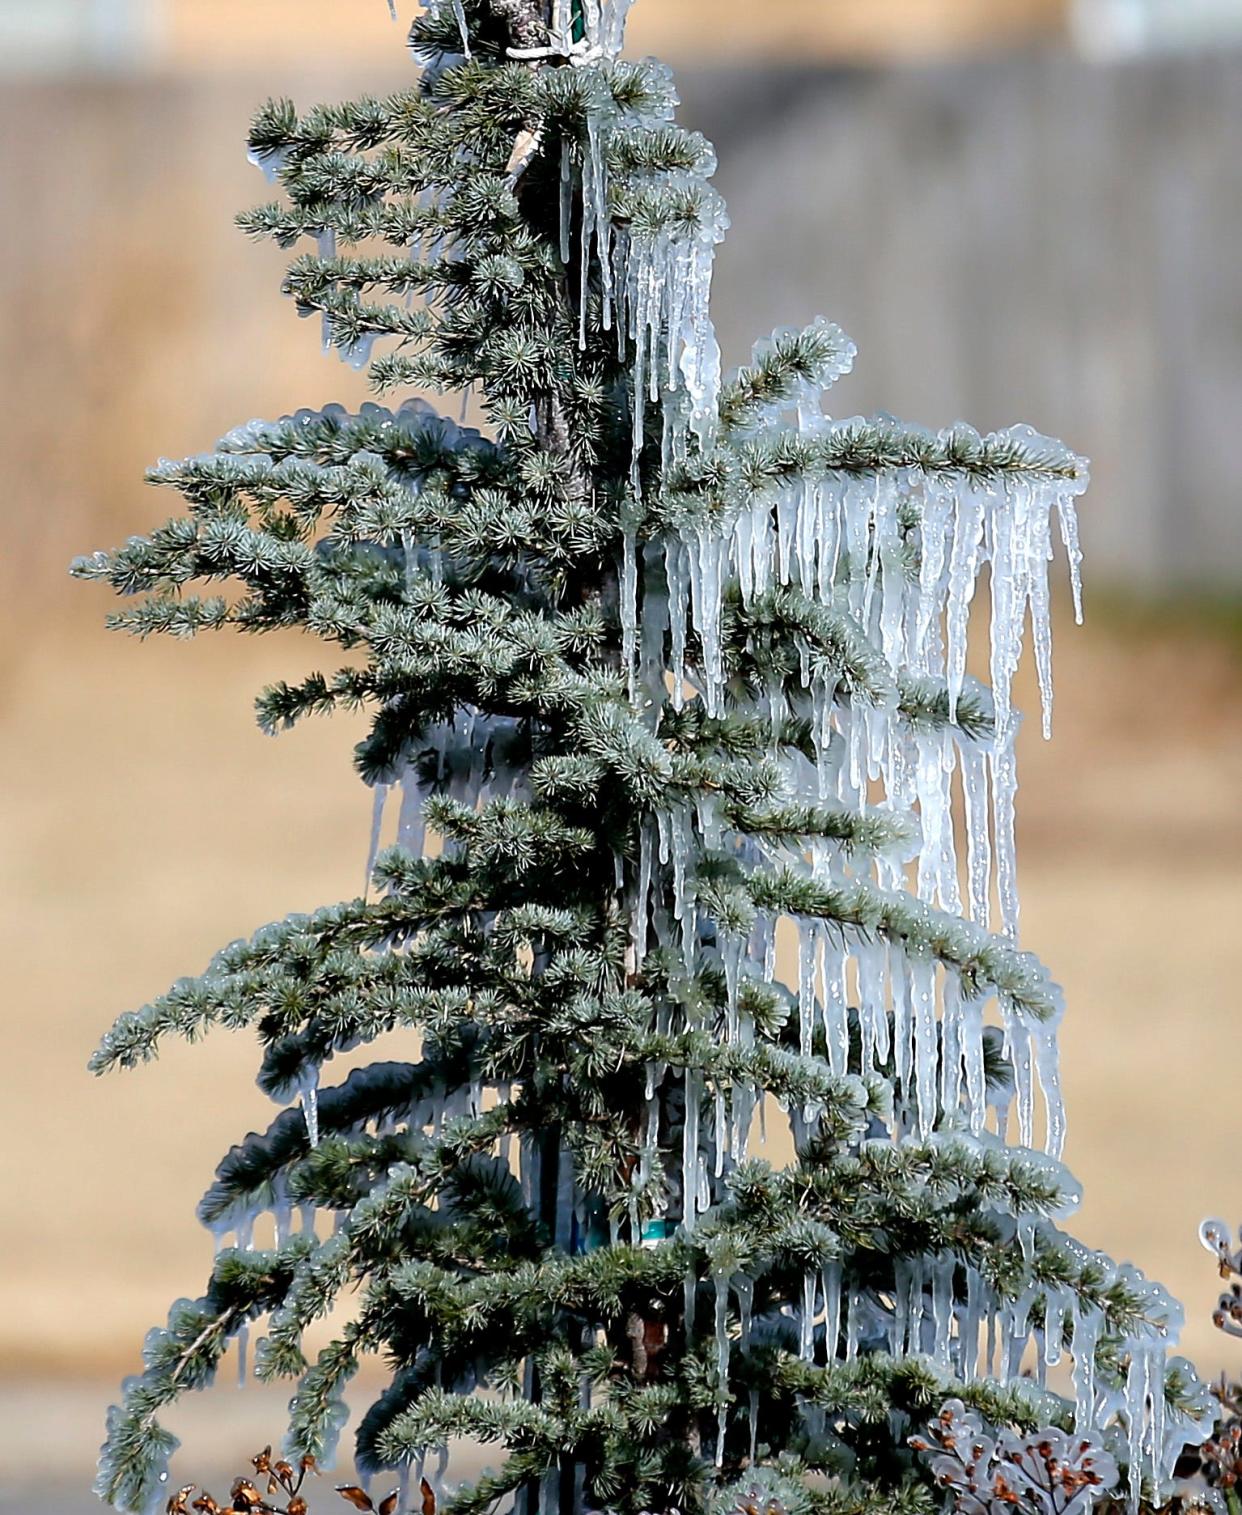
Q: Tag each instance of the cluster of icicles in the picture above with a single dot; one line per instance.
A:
(973, 1339)
(938, 1308)
(655, 284)
(841, 540)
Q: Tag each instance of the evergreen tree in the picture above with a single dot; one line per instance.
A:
(671, 670)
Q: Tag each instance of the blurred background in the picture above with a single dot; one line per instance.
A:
(1022, 210)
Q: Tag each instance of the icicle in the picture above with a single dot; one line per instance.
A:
(963, 572)
(872, 1009)
(968, 1327)
(358, 354)
(567, 203)
(951, 1049)
(721, 1283)
(690, 1152)
(807, 943)
(629, 610)
(917, 1285)
(681, 848)
(1056, 1307)
(377, 826)
(720, 1137)
(1024, 1234)
(308, 1085)
(1069, 535)
(270, 163)
(437, 1478)
(411, 826)
(1018, 1329)
(934, 536)
(243, 1342)
(1018, 1051)
(887, 552)
(788, 514)
(282, 1214)
(327, 249)
(1000, 1103)
(677, 571)
(744, 1289)
(392, 9)
(1048, 1065)
(806, 1319)
(974, 765)
(1004, 796)
(859, 510)
(1087, 1328)
(1136, 1395)
(937, 874)
(923, 1001)
(743, 1111)
(642, 902)
(899, 1326)
(835, 1005)
(971, 1013)
(1011, 523)
(706, 554)
(595, 226)
(942, 1308)
(613, 14)
(853, 1323)
(898, 981)
(1038, 552)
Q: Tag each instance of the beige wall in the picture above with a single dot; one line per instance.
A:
(209, 33)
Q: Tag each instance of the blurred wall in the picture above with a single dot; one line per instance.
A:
(685, 31)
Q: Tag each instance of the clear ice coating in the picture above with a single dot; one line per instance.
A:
(847, 543)
(897, 553)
